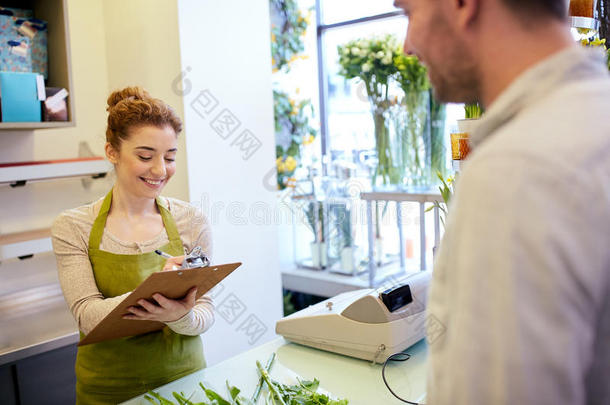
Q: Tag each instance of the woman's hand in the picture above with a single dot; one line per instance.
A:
(162, 309)
(173, 263)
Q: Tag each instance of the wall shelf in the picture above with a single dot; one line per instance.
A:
(25, 244)
(55, 12)
(19, 173)
(34, 125)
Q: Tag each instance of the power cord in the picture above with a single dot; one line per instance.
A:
(396, 357)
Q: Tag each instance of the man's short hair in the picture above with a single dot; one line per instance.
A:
(552, 8)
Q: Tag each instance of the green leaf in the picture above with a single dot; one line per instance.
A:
(213, 396)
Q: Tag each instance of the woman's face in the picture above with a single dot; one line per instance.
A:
(145, 162)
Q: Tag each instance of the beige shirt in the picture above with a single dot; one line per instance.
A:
(519, 306)
(70, 235)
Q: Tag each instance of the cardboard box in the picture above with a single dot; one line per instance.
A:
(17, 12)
(15, 49)
(36, 31)
(20, 95)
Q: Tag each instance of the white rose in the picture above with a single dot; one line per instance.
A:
(380, 55)
(345, 51)
(355, 51)
(387, 60)
(366, 67)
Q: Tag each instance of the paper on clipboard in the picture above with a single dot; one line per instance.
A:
(172, 284)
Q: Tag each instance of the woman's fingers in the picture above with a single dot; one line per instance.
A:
(138, 312)
(163, 301)
(148, 306)
(189, 300)
(166, 310)
(173, 263)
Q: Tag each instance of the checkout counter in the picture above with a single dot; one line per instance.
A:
(368, 325)
(356, 380)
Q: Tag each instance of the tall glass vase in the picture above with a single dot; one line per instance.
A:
(438, 145)
(388, 171)
(411, 138)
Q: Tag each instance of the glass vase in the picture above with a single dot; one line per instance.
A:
(411, 143)
(388, 171)
(438, 146)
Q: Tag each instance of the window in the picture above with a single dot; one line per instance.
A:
(345, 116)
(337, 11)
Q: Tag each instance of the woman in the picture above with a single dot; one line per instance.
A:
(106, 248)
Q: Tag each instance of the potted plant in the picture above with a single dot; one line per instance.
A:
(472, 113)
(460, 146)
(315, 219)
(343, 237)
(378, 248)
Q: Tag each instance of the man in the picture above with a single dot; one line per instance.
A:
(521, 284)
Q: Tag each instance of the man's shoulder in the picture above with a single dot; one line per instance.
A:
(566, 130)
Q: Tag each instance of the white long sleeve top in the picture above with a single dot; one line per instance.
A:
(70, 236)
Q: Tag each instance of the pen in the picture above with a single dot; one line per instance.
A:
(163, 254)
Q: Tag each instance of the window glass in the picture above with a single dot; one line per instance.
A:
(350, 126)
(334, 11)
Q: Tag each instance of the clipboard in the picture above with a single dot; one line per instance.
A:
(172, 284)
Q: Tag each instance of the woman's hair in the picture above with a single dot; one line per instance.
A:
(133, 107)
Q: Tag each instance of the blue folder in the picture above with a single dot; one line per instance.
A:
(19, 97)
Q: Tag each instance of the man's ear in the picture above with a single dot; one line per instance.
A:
(111, 153)
(466, 12)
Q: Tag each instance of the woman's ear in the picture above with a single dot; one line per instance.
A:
(111, 153)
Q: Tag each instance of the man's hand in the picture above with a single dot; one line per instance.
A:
(162, 309)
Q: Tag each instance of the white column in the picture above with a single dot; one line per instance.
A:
(226, 87)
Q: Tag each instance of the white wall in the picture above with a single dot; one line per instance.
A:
(225, 51)
(143, 49)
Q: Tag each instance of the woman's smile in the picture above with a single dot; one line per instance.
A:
(152, 182)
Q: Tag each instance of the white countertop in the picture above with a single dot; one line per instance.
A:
(343, 377)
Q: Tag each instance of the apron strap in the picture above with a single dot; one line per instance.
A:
(169, 223)
(97, 230)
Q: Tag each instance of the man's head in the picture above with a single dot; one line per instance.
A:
(450, 37)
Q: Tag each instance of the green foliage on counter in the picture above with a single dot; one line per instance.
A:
(302, 393)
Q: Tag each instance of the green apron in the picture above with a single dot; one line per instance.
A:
(117, 370)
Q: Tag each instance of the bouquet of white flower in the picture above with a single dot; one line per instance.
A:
(372, 61)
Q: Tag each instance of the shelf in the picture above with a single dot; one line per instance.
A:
(21, 244)
(35, 125)
(47, 326)
(26, 236)
(55, 13)
(409, 194)
(328, 284)
(18, 173)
